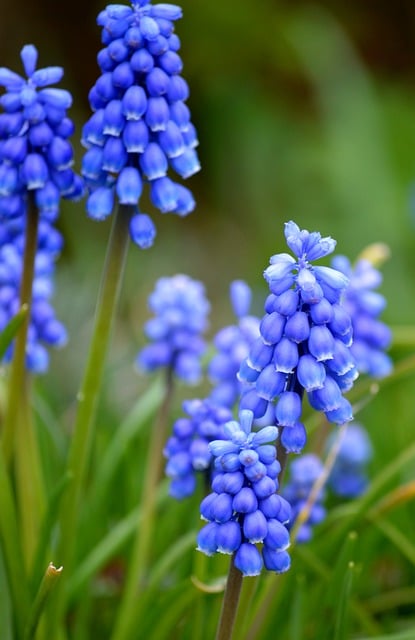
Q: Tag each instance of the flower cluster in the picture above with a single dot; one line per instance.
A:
(348, 478)
(180, 308)
(304, 471)
(187, 450)
(35, 154)
(304, 343)
(244, 508)
(232, 344)
(370, 336)
(44, 328)
(141, 125)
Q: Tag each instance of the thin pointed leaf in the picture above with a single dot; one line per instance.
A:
(11, 329)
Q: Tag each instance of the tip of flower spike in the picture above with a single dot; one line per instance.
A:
(28, 56)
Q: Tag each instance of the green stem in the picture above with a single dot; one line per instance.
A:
(18, 366)
(19, 438)
(234, 582)
(88, 395)
(140, 557)
(29, 478)
(230, 603)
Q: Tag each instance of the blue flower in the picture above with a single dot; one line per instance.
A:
(187, 450)
(244, 509)
(35, 154)
(141, 124)
(44, 328)
(371, 337)
(304, 471)
(348, 478)
(304, 342)
(232, 344)
(180, 312)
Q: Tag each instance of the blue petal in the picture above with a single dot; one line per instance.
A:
(56, 98)
(134, 103)
(255, 526)
(28, 56)
(245, 501)
(129, 186)
(10, 80)
(228, 537)
(100, 203)
(166, 11)
(333, 278)
(153, 162)
(49, 75)
(288, 409)
(248, 560)
(157, 114)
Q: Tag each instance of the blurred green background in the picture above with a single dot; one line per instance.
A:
(305, 111)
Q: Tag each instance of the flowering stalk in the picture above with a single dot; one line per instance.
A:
(19, 438)
(18, 370)
(89, 393)
(234, 581)
(230, 603)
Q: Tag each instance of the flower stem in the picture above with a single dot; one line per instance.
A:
(230, 603)
(17, 376)
(88, 395)
(19, 438)
(139, 562)
(234, 582)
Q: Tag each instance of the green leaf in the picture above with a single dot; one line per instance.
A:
(11, 329)
(108, 547)
(5, 604)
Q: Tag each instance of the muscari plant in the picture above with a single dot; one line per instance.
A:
(320, 329)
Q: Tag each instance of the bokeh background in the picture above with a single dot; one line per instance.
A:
(305, 111)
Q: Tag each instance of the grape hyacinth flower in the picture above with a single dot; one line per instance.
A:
(232, 344)
(304, 471)
(180, 310)
(44, 328)
(141, 124)
(35, 154)
(244, 509)
(304, 343)
(370, 336)
(348, 478)
(187, 450)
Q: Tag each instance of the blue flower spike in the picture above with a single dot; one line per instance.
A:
(181, 311)
(35, 153)
(140, 128)
(244, 509)
(187, 450)
(45, 330)
(348, 478)
(304, 471)
(304, 343)
(371, 337)
(232, 347)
